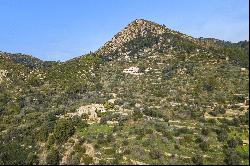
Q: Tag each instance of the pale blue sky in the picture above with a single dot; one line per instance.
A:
(63, 29)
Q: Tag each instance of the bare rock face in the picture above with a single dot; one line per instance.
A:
(137, 28)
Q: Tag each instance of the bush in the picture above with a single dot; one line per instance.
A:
(205, 131)
(108, 105)
(222, 135)
(32, 159)
(188, 138)
(152, 113)
(110, 138)
(87, 159)
(197, 159)
(125, 143)
(78, 122)
(104, 120)
(155, 154)
(127, 151)
(101, 138)
(50, 141)
(204, 146)
(210, 84)
(234, 142)
(137, 115)
(168, 134)
(79, 149)
(176, 146)
(199, 140)
(53, 157)
(64, 129)
(231, 157)
(110, 151)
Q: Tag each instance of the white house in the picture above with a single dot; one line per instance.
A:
(132, 70)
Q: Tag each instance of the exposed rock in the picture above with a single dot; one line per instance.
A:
(3, 74)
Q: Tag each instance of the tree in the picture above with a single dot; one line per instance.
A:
(63, 130)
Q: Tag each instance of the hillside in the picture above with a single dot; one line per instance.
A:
(150, 95)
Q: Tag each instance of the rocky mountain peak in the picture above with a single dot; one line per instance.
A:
(139, 28)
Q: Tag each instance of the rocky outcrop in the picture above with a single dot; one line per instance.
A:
(3, 74)
(140, 32)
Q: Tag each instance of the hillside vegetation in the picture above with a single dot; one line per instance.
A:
(150, 95)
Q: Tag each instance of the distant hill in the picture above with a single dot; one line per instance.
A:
(27, 60)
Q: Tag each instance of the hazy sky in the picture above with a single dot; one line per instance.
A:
(62, 29)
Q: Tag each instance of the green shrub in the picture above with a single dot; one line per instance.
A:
(53, 157)
(155, 154)
(87, 160)
(32, 159)
(197, 159)
(205, 131)
(79, 149)
(232, 157)
(204, 146)
(64, 129)
(137, 115)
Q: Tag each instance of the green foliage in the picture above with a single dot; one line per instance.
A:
(101, 138)
(32, 159)
(205, 131)
(210, 84)
(13, 153)
(204, 146)
(137, 115)
(155, 154)
(222, 135)
(79, 149)
(234, 142)
(200, 76)
(53, 157)
(78, 122)
(108, 105)
(231, 157)
(64, 129)
(197, 160)
(152, 113)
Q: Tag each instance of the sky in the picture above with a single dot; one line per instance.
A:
(64, 29)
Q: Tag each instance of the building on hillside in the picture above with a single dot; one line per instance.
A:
(132, 70)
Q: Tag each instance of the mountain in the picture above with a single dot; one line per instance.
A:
(150, 95)
(142, 34)
(142, 37)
